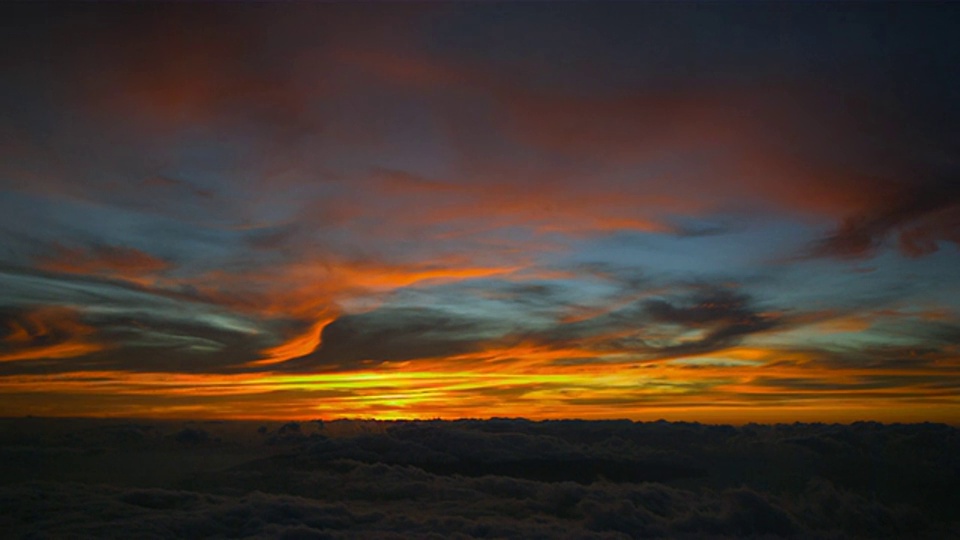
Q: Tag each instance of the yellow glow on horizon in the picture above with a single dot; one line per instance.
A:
(709, 393)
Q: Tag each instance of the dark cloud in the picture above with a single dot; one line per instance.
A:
(919, 215)
(660, 327)
(395, 334)
(41, 287)
(727, 316)
(118, 324)
(853, 384)
(924, 353)
(697, 230)
(176, 187)
(18, 325)
(45, 333)
(630, 279)
(722, 317)
(531, 295)
(374, 480)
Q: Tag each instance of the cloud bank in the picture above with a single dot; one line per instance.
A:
(401, 480)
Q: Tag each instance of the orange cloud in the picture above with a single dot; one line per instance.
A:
(106, 261)
(46, 333)
(296, 347)
(758, 391)
(546, 160)
(675, 151)
(314, 291)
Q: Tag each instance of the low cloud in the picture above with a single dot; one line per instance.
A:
(356, 479)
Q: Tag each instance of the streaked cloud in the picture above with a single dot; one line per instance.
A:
(573, 210)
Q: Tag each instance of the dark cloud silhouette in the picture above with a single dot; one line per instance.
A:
(660, 327)
(354, 479)
(723, 316)
(119, 324)
(395, 334)
(176, 185)
(727, 317)
(919, 215)
(45, 333)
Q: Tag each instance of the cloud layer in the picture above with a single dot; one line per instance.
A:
(471, 479)
(544, 210)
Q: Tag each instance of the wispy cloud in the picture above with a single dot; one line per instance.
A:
(618, 206)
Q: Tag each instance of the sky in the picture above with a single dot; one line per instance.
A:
(714, 212)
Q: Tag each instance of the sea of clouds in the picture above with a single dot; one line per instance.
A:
(500, 478)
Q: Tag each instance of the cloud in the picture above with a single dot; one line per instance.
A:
(679, 320)
(177, 185)
(395, 334)
(372, 480)
(45, 334)
(541, 315)
(103, 261)
(309, 190)
(919, 215)
(726, 316)
(115, 323)
(742, 140)
(590, 158)
(663, 348)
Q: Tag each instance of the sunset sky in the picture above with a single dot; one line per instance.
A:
(712, 212)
